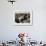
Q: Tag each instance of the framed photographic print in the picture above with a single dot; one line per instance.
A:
(23, 17)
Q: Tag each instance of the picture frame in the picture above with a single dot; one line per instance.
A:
(23, 18)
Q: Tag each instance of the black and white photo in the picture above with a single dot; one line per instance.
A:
(23, 18)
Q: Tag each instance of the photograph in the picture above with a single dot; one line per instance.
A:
(23, 18)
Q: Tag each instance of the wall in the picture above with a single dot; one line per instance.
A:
(9, 31)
